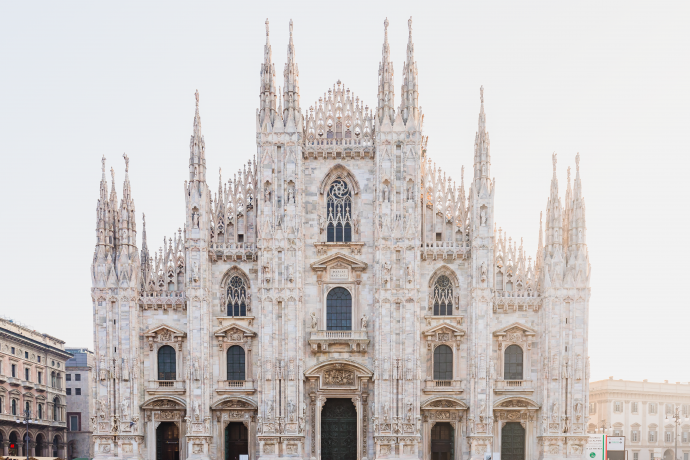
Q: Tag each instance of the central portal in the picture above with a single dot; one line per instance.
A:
(338, 430)
(167, 442)
(513, 441)
(236, 441)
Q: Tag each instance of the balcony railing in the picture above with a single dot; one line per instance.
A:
(513, 385)
(443, 383)
(355, 340)
(432, 386)
(166, 386)
(235, 386)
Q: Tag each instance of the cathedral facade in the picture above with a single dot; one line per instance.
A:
(340, 298)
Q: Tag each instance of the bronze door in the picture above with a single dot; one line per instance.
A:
(236, 441)
(167, 442)
(513, 441)
(338, 430)
(442, 442)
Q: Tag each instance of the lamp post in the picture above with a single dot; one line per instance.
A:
(676, 417)
(603, 427)
(26, 419)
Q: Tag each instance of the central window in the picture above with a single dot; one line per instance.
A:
(512, 368)
(166, 363)
(235, 363)
(237, 297)
(443, 296)
(339, 310)
(443, 363)
(339, 212)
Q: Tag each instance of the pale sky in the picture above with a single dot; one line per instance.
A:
(607, 79)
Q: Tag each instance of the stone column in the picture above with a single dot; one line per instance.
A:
(5, 448)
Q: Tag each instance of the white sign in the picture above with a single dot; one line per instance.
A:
(244, 457)
(339, 273)
(594, 450)
(616, 443)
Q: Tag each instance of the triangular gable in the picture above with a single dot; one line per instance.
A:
(526, 330)
(161, 327)
(457, 331)
(324, 262)
(245, 330)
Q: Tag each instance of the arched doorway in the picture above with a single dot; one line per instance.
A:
(13, 447)
(668, 455)
(56, 446)
(236, 441)
(167, 441)
(513, 441)
(338, 430)
(442, 441)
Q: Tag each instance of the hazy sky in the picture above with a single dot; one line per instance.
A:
(607, 79)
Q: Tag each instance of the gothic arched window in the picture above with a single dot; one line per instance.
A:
(167, 368)
(443, 363)
(512, 367)
(339, 310)
(235, 363)
(443, 296)
(339, 212)
(237, 297)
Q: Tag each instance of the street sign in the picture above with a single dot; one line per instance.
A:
(596, 447)
(615, 447)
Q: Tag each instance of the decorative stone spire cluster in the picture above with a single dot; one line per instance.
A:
(409, 106)
(267, 111)
(386, 94)
(291, 113)
(482, 152)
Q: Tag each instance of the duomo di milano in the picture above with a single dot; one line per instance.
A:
(340, 298)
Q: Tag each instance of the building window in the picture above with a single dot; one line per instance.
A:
(634, 436)
(652, 408)
(443, 296)
(592, 408)
(14, 370)
(27, 407)
(651, 455)
(339, 310)
(69, 391)
(633, 407)
(26, 355)
(26, 375)
(684, 409)
(652, 436)
(14, 407)
(237, 297)
(53, 380)
(443, 363)
(617, 406)
(668, 436)
(617, 433)
(39, 359)
(685, 456)
(68, 377)
(56, 409)
(77, 377)
(684, 436)
(167, 368)
(77, 391)
(73, 423)
(40, 377)
(339, 212)
(12, 350)
(40, 411)
(512, 368)
(636, 456)
(235, 363)
(669, 409)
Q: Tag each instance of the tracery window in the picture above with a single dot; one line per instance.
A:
(237, 297)
(339, 310)
(235, 363)
(339, 212)
(443, 296)
(443, 363)
(512, 366)
(167, 368)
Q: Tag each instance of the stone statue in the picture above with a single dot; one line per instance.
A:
(314, 320)
(267, 195)
(195, 219)
(125, 409)
(482, 271)
(386, 268)
(322, 223)
(195, 369)
(291, 195)
(269, 413)
(197, 410)
(291, 410)
(364, 322)
(103, 372)
(355, 224)
(483, 217)
(410, 194)
(384, 193)
(188, 425)
(566, 368)
(195, 271)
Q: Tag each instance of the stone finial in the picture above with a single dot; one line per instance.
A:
(385, 28)
(112, 174)
(196, 96)
(577, 162)
(124, 155)
(481, 94)
(266, 27)
(290, 27)
(553, 158)
(409, 25)
(103, 165)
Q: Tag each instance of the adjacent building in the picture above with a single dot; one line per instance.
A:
(78, 378)
(643, 413)
(340, 297)
(32, 384)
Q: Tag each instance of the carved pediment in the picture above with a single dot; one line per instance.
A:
(516, 403)
(234, 402)
(166, 402)
(233, 333)
(164, 334)
(340, 259)
(444, 332)
(443, 402)
(514, 331)
(339, 373)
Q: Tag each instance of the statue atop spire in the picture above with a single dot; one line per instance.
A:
(410, 92)
(385, 111)
(124, 155)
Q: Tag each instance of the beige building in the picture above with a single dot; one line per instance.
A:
(642, 412)
(32, 368)
(79, 402)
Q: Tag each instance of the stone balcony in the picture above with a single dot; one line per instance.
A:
(339, 341)
(14, 381)
(235, 387)
(3, 378)
(27, 385)
(40, 387)
(442, 386)
(513, 386)
(166, 387)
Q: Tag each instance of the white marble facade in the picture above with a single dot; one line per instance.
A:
(429, 276)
